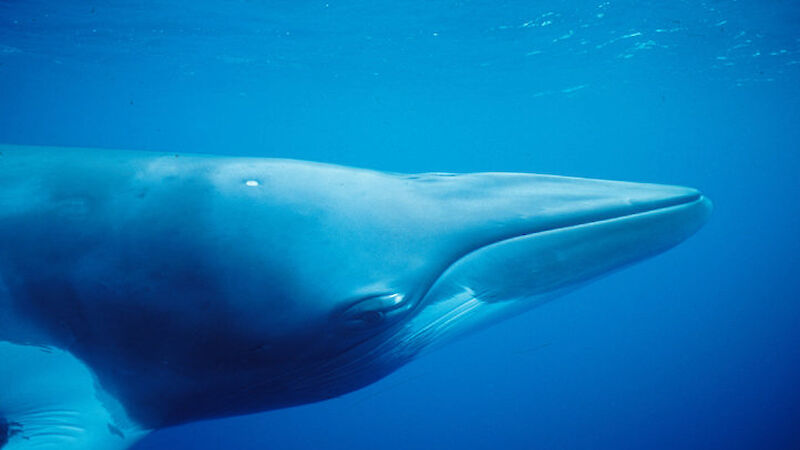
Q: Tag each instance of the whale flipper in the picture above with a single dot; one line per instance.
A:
(50, 400)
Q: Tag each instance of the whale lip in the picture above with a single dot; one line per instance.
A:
(685, 204)
(693, 199)
(690, 197)
(686, 197)
(680, 196)
(516, 273)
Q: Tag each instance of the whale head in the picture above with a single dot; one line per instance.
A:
(389, 265)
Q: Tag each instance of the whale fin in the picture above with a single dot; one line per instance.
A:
(50, 400)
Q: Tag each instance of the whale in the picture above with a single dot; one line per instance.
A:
(141, 290)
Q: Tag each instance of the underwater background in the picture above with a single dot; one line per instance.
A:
(697, 348)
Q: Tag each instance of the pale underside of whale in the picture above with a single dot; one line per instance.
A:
(140, 290)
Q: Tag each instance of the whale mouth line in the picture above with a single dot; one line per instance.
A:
(635, 210)
(682, 201)
(662, 206)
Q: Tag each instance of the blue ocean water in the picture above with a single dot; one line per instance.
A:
(697, 348)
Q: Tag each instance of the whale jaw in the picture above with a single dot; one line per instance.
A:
(518, 273)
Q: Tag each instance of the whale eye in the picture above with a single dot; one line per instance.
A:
(373, 311)
(371, 317)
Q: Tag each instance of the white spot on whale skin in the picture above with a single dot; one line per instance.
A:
(252, 183)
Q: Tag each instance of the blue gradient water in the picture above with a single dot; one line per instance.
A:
(697, 348)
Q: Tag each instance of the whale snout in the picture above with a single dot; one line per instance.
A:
(595, 228)
(579, 230)
(546, 261)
